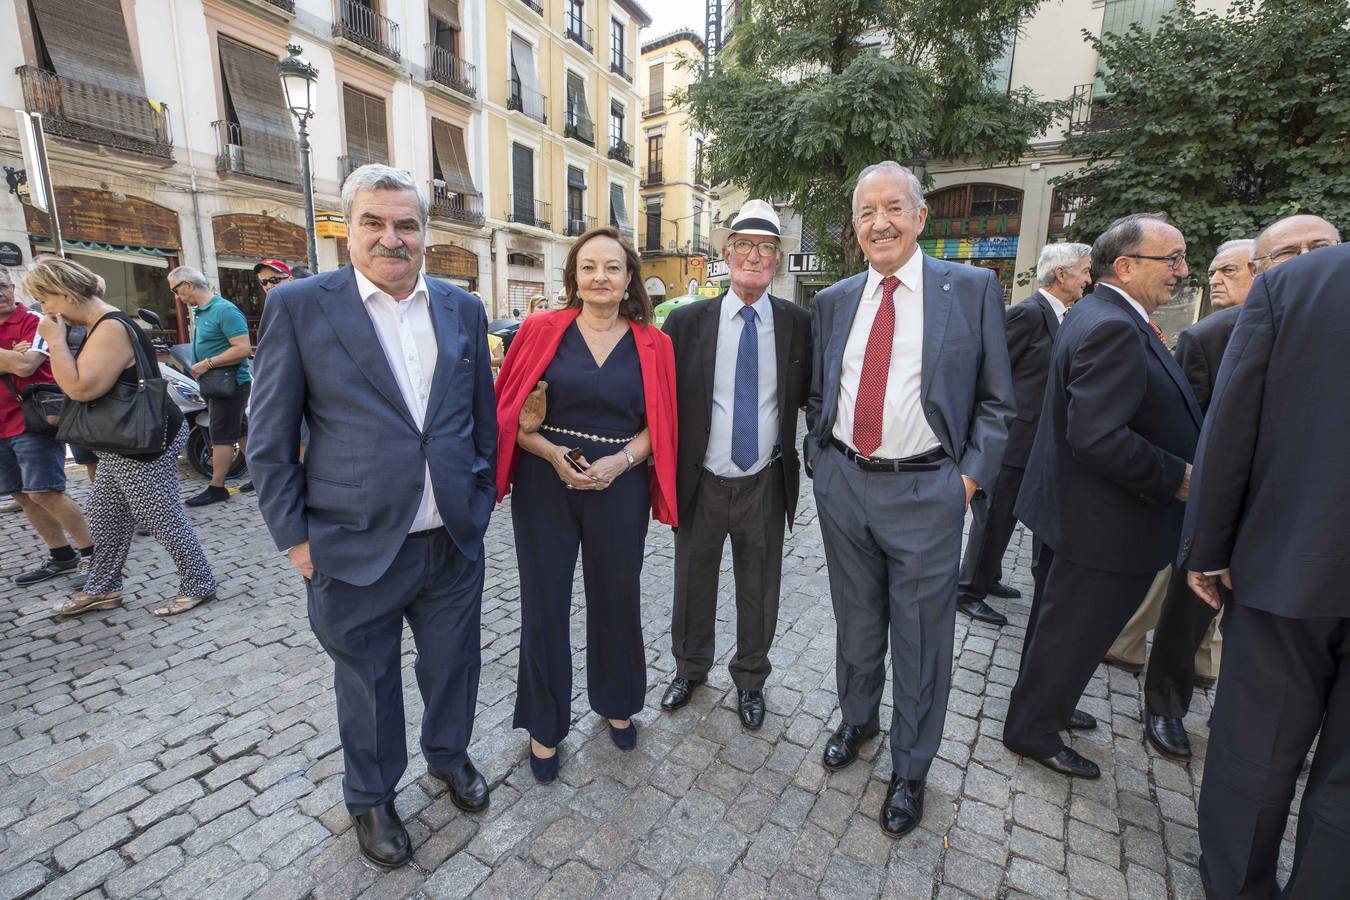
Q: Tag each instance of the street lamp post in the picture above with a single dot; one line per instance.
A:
(299, 80)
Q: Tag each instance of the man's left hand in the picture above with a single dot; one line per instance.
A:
(199, 368)
(1206, 587)
(971, 488)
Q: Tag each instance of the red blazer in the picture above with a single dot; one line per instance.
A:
(532, 351)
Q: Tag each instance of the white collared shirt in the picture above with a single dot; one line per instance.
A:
(409, 343)
(1056, 306)
(1130, 300)
(905, 431)
(718, 458)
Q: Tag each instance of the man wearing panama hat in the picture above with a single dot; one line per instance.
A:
(742, 372)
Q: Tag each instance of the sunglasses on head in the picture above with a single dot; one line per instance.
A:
(275, 279)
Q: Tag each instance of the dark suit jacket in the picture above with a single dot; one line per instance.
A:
(1270, 491)
(1031, 326)
(693, 330)
(1200, 348)
(1118, 425)
(965, 386)
(355, 494)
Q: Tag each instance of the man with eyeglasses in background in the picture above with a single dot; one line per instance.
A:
(1290, 237)
(742, 371)
(1106, 481)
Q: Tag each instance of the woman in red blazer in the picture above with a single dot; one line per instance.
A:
(604, 456)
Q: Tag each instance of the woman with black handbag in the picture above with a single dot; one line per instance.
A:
(116, 405)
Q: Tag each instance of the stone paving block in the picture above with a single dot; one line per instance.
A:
(163, 833)
(1145, 848)
(1038, 815)
(87, 844)
(137, 880)
(1145, 884)
(1094, 843)
(218, 831)
(234, 794)
(22, 881)
(165, 803)
(512, 879)
(692, 883)
(281, 794)
(84, 877)
(1036, 880)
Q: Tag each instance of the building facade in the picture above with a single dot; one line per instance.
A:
(170, 142)
(675, 216)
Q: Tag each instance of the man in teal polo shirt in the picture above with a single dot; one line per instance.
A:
(219, 338)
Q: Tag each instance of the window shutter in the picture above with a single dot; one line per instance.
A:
(445, 10)
(266, 129)
(576, 178)
(522, 63)
(657, 80)
(522, 183)
(87, 41)
(618, 209)
(367, 140)
(448, 141)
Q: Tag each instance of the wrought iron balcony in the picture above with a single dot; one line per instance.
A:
(457, 206)
(350, 163)
(1087, 110)
(652, 174)
(656, 104)
(577, 225)
(247, 151)
(99, 115)
(532, 4)
(444, 67)
(621, 65)
(622, 151)
(355, 22)
(287, 5)
(699, 246)
(579, 126)
(578, 31)
(525, 211)
(526, 100)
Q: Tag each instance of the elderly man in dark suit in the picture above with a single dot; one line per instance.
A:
(910, 400)
(385, 516)
(742, 371)
(1062, 275)
(1267, 519)
(1106, 482)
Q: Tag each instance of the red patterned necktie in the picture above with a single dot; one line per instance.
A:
(1157, 332)
(871, 399)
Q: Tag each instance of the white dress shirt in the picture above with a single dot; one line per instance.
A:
(718, 458)
(905, 431)
(409, 342)
(1130, 300)
(1058, 308)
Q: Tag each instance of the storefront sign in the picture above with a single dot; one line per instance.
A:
(104, 217)
(803, 263)
(10, 254)
(971, 248)
(258, 237)
(329, 225)
(717, 268)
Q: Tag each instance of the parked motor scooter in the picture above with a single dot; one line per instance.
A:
(184, 392)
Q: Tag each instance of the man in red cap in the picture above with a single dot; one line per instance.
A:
(270, 273)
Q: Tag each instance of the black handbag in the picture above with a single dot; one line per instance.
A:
(131, 419)
(41, 405)
(219, 383)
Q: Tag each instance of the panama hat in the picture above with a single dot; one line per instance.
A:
(755, 217)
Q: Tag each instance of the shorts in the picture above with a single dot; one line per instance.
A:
(32, 464)
(82, 456)
(227, 416)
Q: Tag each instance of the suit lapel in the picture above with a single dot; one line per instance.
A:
(346, 312)
(782, 340)
(1160, 351)
(1048, 313)
(446, 324)
(708, 324)
(937, 307)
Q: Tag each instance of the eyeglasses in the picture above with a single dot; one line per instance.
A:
(173, 288)
(1176, 260)
(891, 213)
(1284, 254)
(274, 280)
(765, 248)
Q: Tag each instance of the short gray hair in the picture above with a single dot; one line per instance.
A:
(892, 167)
(379, 177)
(192, 276)
(1121, 238)
(1062, 255)
(1248, 244)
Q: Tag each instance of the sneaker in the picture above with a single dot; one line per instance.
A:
(50, 568)
(212, 494)
(10, 506)
(246, 487)
(82, 569)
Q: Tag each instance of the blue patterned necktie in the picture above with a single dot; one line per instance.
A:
(745, 405)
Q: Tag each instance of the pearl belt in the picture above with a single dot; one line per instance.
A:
(586, 435)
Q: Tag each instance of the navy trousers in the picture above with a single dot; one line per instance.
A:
(440, 592)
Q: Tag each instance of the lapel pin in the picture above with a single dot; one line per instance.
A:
(947, 287)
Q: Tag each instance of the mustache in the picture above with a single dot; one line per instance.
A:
(395, 253)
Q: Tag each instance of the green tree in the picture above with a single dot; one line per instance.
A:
(1225, 122)
(809, 92)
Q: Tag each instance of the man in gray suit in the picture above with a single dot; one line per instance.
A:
(385, 516)
(910, 400)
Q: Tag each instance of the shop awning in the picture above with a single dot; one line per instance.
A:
(138, 256)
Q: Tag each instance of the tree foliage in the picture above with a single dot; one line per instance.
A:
(809, 92)
(1226, 122)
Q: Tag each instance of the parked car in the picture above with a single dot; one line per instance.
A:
(665, 309)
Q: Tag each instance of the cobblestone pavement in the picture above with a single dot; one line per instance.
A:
(198, 757)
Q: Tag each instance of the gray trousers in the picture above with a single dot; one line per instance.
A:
(893, 545)
(750, 511)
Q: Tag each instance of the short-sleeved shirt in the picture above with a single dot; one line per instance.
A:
(20, 325)
(217, 322)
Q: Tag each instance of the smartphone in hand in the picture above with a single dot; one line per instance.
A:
(573, 458)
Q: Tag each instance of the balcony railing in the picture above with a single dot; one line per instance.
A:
(286, 5)
(622, 151)
(656, 103)
(621, 65)
(699, 246)
(460, 207)
(578, 225)
(526, 100)
(534, 5)
(578, 31)
(350, 163)
(99, 115)
(444, 67)
(652, 174)
(354, 21)
(247, 151)
(1087, 113)
(579, 126)
(524, 211)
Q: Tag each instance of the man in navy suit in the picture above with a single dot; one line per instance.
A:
(908, 415)
(1061, 276)
(385, 516)
(1106, 481)
(1267, 516)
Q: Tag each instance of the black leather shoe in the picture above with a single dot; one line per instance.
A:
(211, 494)
(842, 747)
(624, 738)
(1081, 721)
(980, 611)
(1070, 762)
(1003, 592)
(1168, 736)
(903, 807)
(751, 705)
(678, 693)
(544, 769)
(382, 838)
(468, 789)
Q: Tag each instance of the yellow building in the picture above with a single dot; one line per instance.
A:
(560, 112)
(675, 216)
